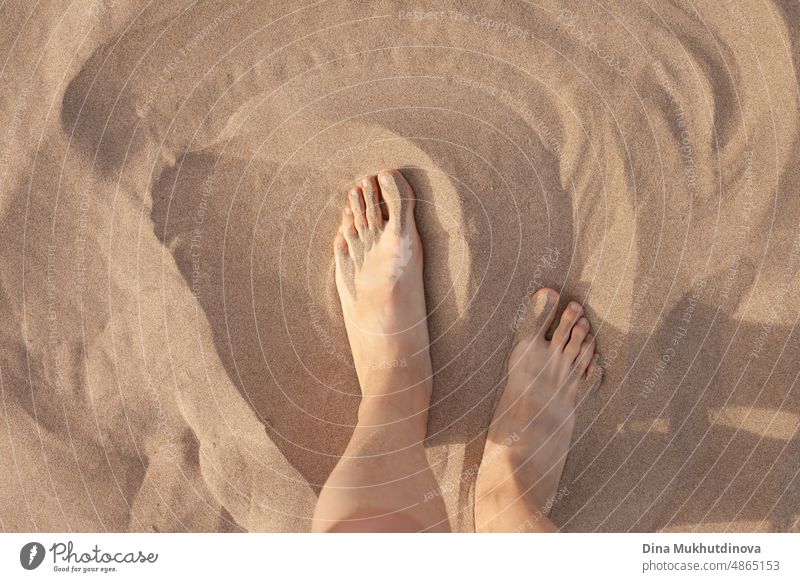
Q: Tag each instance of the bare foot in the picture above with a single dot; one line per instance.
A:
(530, 434)
(383, 480)
(379, 279)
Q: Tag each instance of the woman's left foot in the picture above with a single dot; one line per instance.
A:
(530, 434)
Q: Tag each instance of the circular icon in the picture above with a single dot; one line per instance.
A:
(31, 555)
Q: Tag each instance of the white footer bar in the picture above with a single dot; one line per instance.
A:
(390, 557)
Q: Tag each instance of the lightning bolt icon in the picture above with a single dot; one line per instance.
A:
(34, 549)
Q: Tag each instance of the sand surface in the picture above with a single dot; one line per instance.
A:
(173, 355)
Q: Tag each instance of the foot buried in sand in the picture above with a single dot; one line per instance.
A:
(530, 434)
(378, 257)
(381, 480)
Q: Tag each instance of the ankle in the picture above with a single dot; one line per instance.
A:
(404, 390)
(509, 508)
(395, 410)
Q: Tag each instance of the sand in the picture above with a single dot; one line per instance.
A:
(173, 355)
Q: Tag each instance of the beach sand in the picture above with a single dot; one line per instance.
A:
(173, 354)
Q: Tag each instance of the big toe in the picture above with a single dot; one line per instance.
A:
(372, 198)
(399, 198)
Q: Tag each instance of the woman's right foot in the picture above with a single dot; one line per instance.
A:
(378, 255)
(530, 434)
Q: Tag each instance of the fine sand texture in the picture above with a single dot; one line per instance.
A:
(173, 353)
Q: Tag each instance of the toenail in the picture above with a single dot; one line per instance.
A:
(348, 211)
(576, 307)
(583, 322)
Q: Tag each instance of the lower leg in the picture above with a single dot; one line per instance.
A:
(530, 434)
(383, 481)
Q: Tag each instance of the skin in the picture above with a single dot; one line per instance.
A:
(383, 481)
(529, 437)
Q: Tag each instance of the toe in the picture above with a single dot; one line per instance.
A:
(399, 198)
(595, 371)
(359, 210)
(339, 246)
(586, 374)
(586, 354)
(576, 337)
(348, 227)
(369, 187)
(538, 315)
(568, 319)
